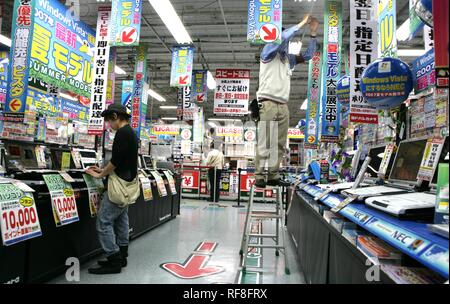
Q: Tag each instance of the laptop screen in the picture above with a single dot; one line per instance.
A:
(148, 161)
(376, 154)
(407, 161)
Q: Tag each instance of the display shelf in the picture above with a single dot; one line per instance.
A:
(411, 237)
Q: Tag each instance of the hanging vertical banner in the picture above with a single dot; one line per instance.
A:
(62, 48)
(415, 23)
(180, 104)
(387, 27)
(363, 50)
(232, 92)
(127, 93)
(182, 66)
(424, 74)
(188, 104)
(126, 25)
(3, 77)
(111, 77)
(264, 21)
(19, 57)
(200, 87)
(100, 72)
(313, 109)
(331, 73)
(140, 76)
(428, 38)
(440, 19)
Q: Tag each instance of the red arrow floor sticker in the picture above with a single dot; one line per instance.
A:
(206, 247)
(193, 268)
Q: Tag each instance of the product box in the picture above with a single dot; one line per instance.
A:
(441, 213)
(373, 247)
(407, 275)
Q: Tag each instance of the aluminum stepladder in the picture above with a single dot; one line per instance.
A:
(279, 215)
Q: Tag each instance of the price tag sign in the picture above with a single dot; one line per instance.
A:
(95, 189)
(40, 156)
(76, 159)
(430, 159)
(63, 200)
(146, 187)
(159, 183)
(18, 216)
(343, 204)
(22, 186)
(66, 177)
(172, 186)
(322, 195)
(388, 151)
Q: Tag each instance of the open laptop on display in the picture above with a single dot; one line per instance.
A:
(88, 158)
(147, 162)
(23, 157)
(415, 204)
(57, 155)
(403, 175)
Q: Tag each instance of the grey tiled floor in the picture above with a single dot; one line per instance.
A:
(176, 240)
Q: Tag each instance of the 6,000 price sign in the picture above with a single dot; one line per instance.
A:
(63, 200)
(18, 215)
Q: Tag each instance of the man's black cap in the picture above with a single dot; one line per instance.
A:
(116, 108)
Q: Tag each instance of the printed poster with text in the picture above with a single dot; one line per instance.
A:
(232, 92)
(363, 50)
(182, 66)
(313, 109)
(264, 21)
(126, 25)
(62, 198)
(95, 189)
(387, 28)
(199, 92)
(18, 215)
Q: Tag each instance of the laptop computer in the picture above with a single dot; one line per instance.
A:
(87, 158)
(403, 175)
(411, 205)
(147, 162)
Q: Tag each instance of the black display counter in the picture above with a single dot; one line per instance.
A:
(324, 255)
(41, 259)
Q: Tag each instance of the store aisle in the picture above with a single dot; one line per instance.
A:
(177, 246)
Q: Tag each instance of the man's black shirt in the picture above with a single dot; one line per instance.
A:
(125, 153)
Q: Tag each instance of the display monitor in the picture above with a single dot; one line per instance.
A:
(148, 161)
(407, 161)
(14, 150)
(56, 155)
(88, 158)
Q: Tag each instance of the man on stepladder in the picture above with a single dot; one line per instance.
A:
(274, 88)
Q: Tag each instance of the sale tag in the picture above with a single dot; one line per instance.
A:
(323, 194)
(388, 151)
(18, 216)
(63, 200)
(159, 183)
(146, 187)
(66, 177)
(95, 189)
(76, 159)
(172, 186)
(343, 204)
(40, 156)
(22, 186)
(430, 159)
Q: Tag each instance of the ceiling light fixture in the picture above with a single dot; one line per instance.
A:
(168, 107)
(156, 95)
(211, 81)
(119, 70)
(411, 53)
(5, 40)
(304, 105)
(169, 118)
(170, 18)
(222, 119)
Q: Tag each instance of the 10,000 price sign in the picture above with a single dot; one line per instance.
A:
(18, 215)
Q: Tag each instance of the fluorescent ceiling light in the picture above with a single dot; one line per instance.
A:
(403, 31)
(169, 118)
(411, 53)
(168, 107)
(119, 70)
(170, 18)
(67, 96)
(156, 95)
(5, 40)
(304, 105)
(223, 119)
(211, 81)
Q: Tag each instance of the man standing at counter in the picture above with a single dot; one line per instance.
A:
(112, 217)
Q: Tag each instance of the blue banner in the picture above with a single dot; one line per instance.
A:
(140, 76)
(19, 57)
(313, 109)
(182, 66)
(4, 58)
(127, 93)
(75, 110)
(331, 108)
(126, 22)
(199, 91)
(424, 74)
(264, 21)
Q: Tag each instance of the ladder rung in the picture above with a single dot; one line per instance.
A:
(263, 235)
(265, 246)
(264, 211)
(266, 216)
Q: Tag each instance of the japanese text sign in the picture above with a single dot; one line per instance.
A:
(126, 22)
(182, 66)
(232, 92)
(264, 21)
